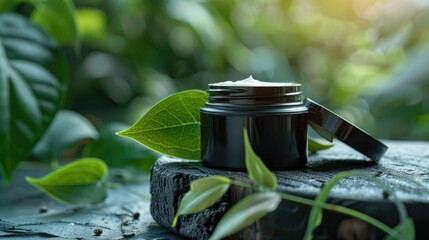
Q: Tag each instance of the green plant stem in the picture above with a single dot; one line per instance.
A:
(343, 210)
(402, 212)
(331, 207)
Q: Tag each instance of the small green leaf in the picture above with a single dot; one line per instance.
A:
(172, 126)
(120, 152)
(406, 232)
(67, 129)
(203, 193)
(321, 131)
(316, 214)
(315, 145)
(256, 169)
(245, 212)
(80, 182)
(57, 17)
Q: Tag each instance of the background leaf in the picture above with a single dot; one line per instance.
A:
(6, 5)
(245, 212)
(120, 152)
(33, 82)
(315, 145)
(67, 129)
(256, 169)
(203, 193)
(58, 19)
(172, 126)
(80, 182)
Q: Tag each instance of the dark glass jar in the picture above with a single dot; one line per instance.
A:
(274, 116)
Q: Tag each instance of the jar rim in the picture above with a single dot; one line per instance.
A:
(255, 95)
(243, 85)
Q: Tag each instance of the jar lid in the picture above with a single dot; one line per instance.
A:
(329, 126)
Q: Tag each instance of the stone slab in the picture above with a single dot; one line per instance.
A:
(20, 216)
(171, 177)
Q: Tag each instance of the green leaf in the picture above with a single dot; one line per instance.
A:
(120, 152)
(67, 129)
(256, 169)
(57, 17)
(245, 212)
(316, 214)
(80, 182)
(33, 83)
(172, 126)
(322, 132)
(203, 193)
(315, 145)
(201, 20)
(406, 231)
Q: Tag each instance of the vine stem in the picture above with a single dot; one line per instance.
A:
(343, 210)
(331, 207)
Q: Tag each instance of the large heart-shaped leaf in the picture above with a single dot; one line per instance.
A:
(33, 82)
(80, 182)
(172, 126)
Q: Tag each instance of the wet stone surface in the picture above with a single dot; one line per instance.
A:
(405, 168)
(26, 213)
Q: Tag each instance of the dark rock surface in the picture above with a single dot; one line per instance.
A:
(21, 216)
(404, 169)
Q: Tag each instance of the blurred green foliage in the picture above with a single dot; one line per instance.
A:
(33, 84)
(366, 59)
